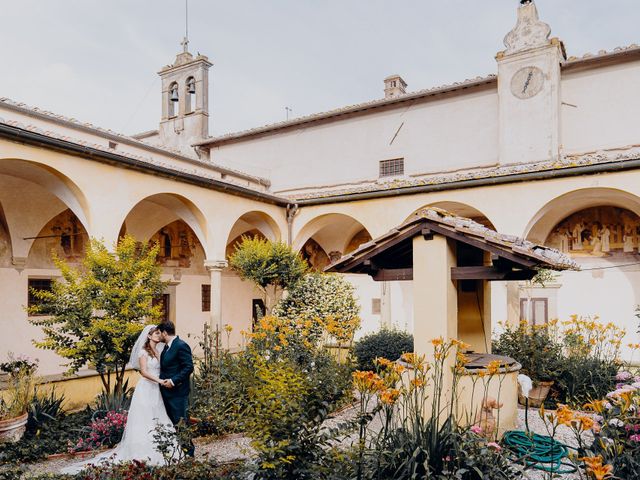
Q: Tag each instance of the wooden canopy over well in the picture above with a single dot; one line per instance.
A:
(390, 256)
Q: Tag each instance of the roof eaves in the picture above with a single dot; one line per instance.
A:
(111, 135)
(35, 136)
(543, 257)
(603, 57)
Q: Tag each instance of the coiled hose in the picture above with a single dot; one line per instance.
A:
(538, 451)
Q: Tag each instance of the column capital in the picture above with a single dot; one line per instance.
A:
(19, 263)
(215, 265)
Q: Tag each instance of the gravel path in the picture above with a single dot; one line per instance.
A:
(563, 434)
(237, 446)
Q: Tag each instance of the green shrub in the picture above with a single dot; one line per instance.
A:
(534, 347)
(326, 300)
(579, 355)
(218, 396)
(267, 264)
(187, 470)
(113, 401)
(582, 379)
(49, 438)
(389, 344)
(44, 408)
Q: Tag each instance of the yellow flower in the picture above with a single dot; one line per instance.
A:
(494, 367)
(585, 422)
(228, 328)
(383, 362)
(389, 397)
(417, 382)
(596, 406)
(437, 341)
(367, 382)
(564, 415)
(408, 357)
(596, 468)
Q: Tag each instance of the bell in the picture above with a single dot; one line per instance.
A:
(173, 95)
(192, 87)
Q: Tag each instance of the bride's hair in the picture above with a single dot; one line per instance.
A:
(147, 344)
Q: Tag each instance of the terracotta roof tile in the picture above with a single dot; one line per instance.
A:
(545, 257)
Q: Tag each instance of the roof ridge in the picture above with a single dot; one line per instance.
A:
(353, 107)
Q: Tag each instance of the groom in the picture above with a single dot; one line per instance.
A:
(176, 365)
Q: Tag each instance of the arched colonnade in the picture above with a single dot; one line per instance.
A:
(46, 203)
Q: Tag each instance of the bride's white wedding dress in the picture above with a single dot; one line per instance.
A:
(145, 413)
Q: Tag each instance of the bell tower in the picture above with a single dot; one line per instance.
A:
(185, 100)
(529, 90)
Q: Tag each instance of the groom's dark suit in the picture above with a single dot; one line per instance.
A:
(176, 364)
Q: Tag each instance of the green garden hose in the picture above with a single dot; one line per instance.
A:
(538, 451)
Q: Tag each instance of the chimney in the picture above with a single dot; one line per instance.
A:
(394, 86)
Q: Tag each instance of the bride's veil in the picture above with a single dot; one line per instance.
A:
(134, 358)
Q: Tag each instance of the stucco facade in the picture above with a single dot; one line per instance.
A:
(519, 160)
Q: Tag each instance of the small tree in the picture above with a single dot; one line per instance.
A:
(96, 313)
(267, 264)
(327, 301)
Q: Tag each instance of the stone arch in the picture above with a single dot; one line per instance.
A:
(461, 209)
(561, 207)
(326, 237)
(254, 224)
(48, 191)
(257, 220)
(5, 241)
(154, 212)
(63, 235)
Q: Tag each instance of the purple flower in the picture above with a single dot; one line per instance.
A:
(624, 376)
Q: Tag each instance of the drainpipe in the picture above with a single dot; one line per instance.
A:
(292, 210)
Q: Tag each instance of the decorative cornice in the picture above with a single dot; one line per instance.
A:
(215, 265)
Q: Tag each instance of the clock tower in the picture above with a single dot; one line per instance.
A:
(529, 90)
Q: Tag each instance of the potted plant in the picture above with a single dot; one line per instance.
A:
(536, 349)
(16, 397)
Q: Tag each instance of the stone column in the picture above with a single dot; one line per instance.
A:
(215, 268)
(435, 298)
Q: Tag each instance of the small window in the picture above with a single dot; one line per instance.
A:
(38, 284)
(258, 310)
(206, 298)
(113, 145)
(393, 167)
(375, 306)
(174, 99)
(190, 96)
(534, 310)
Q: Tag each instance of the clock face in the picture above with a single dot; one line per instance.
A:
(527, 82)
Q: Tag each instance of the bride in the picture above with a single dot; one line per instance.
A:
(147, 410)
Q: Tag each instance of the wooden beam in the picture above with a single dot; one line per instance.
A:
(390, 274)
(377, 250)
(490, 273)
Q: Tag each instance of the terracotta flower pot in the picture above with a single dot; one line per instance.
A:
(12, 429)
(537, 395)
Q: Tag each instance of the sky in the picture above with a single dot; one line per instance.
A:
(97, 60)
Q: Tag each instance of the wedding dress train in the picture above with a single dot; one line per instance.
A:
(146, 412)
